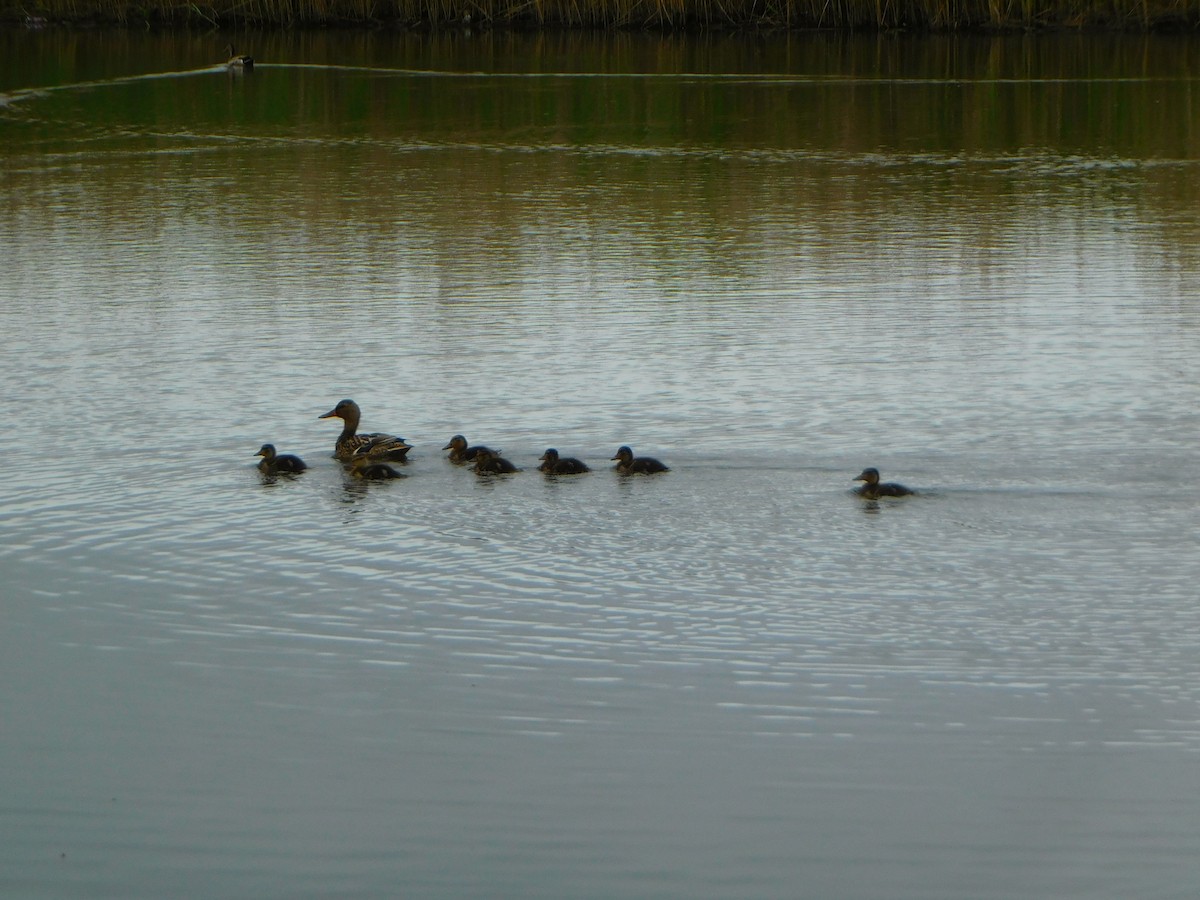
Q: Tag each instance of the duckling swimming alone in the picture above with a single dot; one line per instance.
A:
(459, 451)
(371, 446)
(873, 490)
(628, 464)
(489, 462)
(273, 462)
(553, 464)
(367, 469)
(238, 61)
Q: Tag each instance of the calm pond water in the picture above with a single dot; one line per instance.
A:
(972, 263)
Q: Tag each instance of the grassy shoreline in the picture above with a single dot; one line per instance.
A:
(669, 15)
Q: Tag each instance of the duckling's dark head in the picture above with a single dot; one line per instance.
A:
(267, 451)
(484, 453)
(346, 409)
(458, 442)
(624, 454)
(870, 476)
(550, 456)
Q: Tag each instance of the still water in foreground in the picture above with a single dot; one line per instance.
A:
(973, 264)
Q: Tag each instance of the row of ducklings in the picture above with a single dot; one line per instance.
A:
(483, 461)
(367, 456)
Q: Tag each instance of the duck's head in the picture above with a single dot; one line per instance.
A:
(624, 454)
(346, 409)
(870, 476)
(550, 456)
(458, 442)
(267, 451)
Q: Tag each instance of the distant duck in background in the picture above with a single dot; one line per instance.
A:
(873, 490)
(460, 453)
(628, 464)
(238, 60)
(489, 462)
(372, 446)
(272, 463)
(553, 464)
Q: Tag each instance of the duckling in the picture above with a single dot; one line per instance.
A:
(628, 464)
(273, 463)
(873, 490)
(238, 61)
(459, 451)
(489, 462)
(367, 469)
(372, 446)
(553, 464)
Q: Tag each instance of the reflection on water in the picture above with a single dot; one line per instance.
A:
(970, 263)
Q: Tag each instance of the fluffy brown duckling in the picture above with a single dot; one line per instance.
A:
(460, 453)
(489, 462)
(873, 490)
(369, 470)
(372, 446)
(272, 463)
(553, 464)
(628, 464)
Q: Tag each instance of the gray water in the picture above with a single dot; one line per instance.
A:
(974, 264)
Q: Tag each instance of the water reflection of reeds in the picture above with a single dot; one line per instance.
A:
(1121, 95)
(662, 139)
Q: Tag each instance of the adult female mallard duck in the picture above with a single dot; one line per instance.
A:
(273, 463)
(460, 453)
(368, 470)
(873, 490)
(553, 464)
(238, 60)
(370, 446)
(628, 464)
(489, 462)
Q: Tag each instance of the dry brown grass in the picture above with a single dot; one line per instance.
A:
(937, 15)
